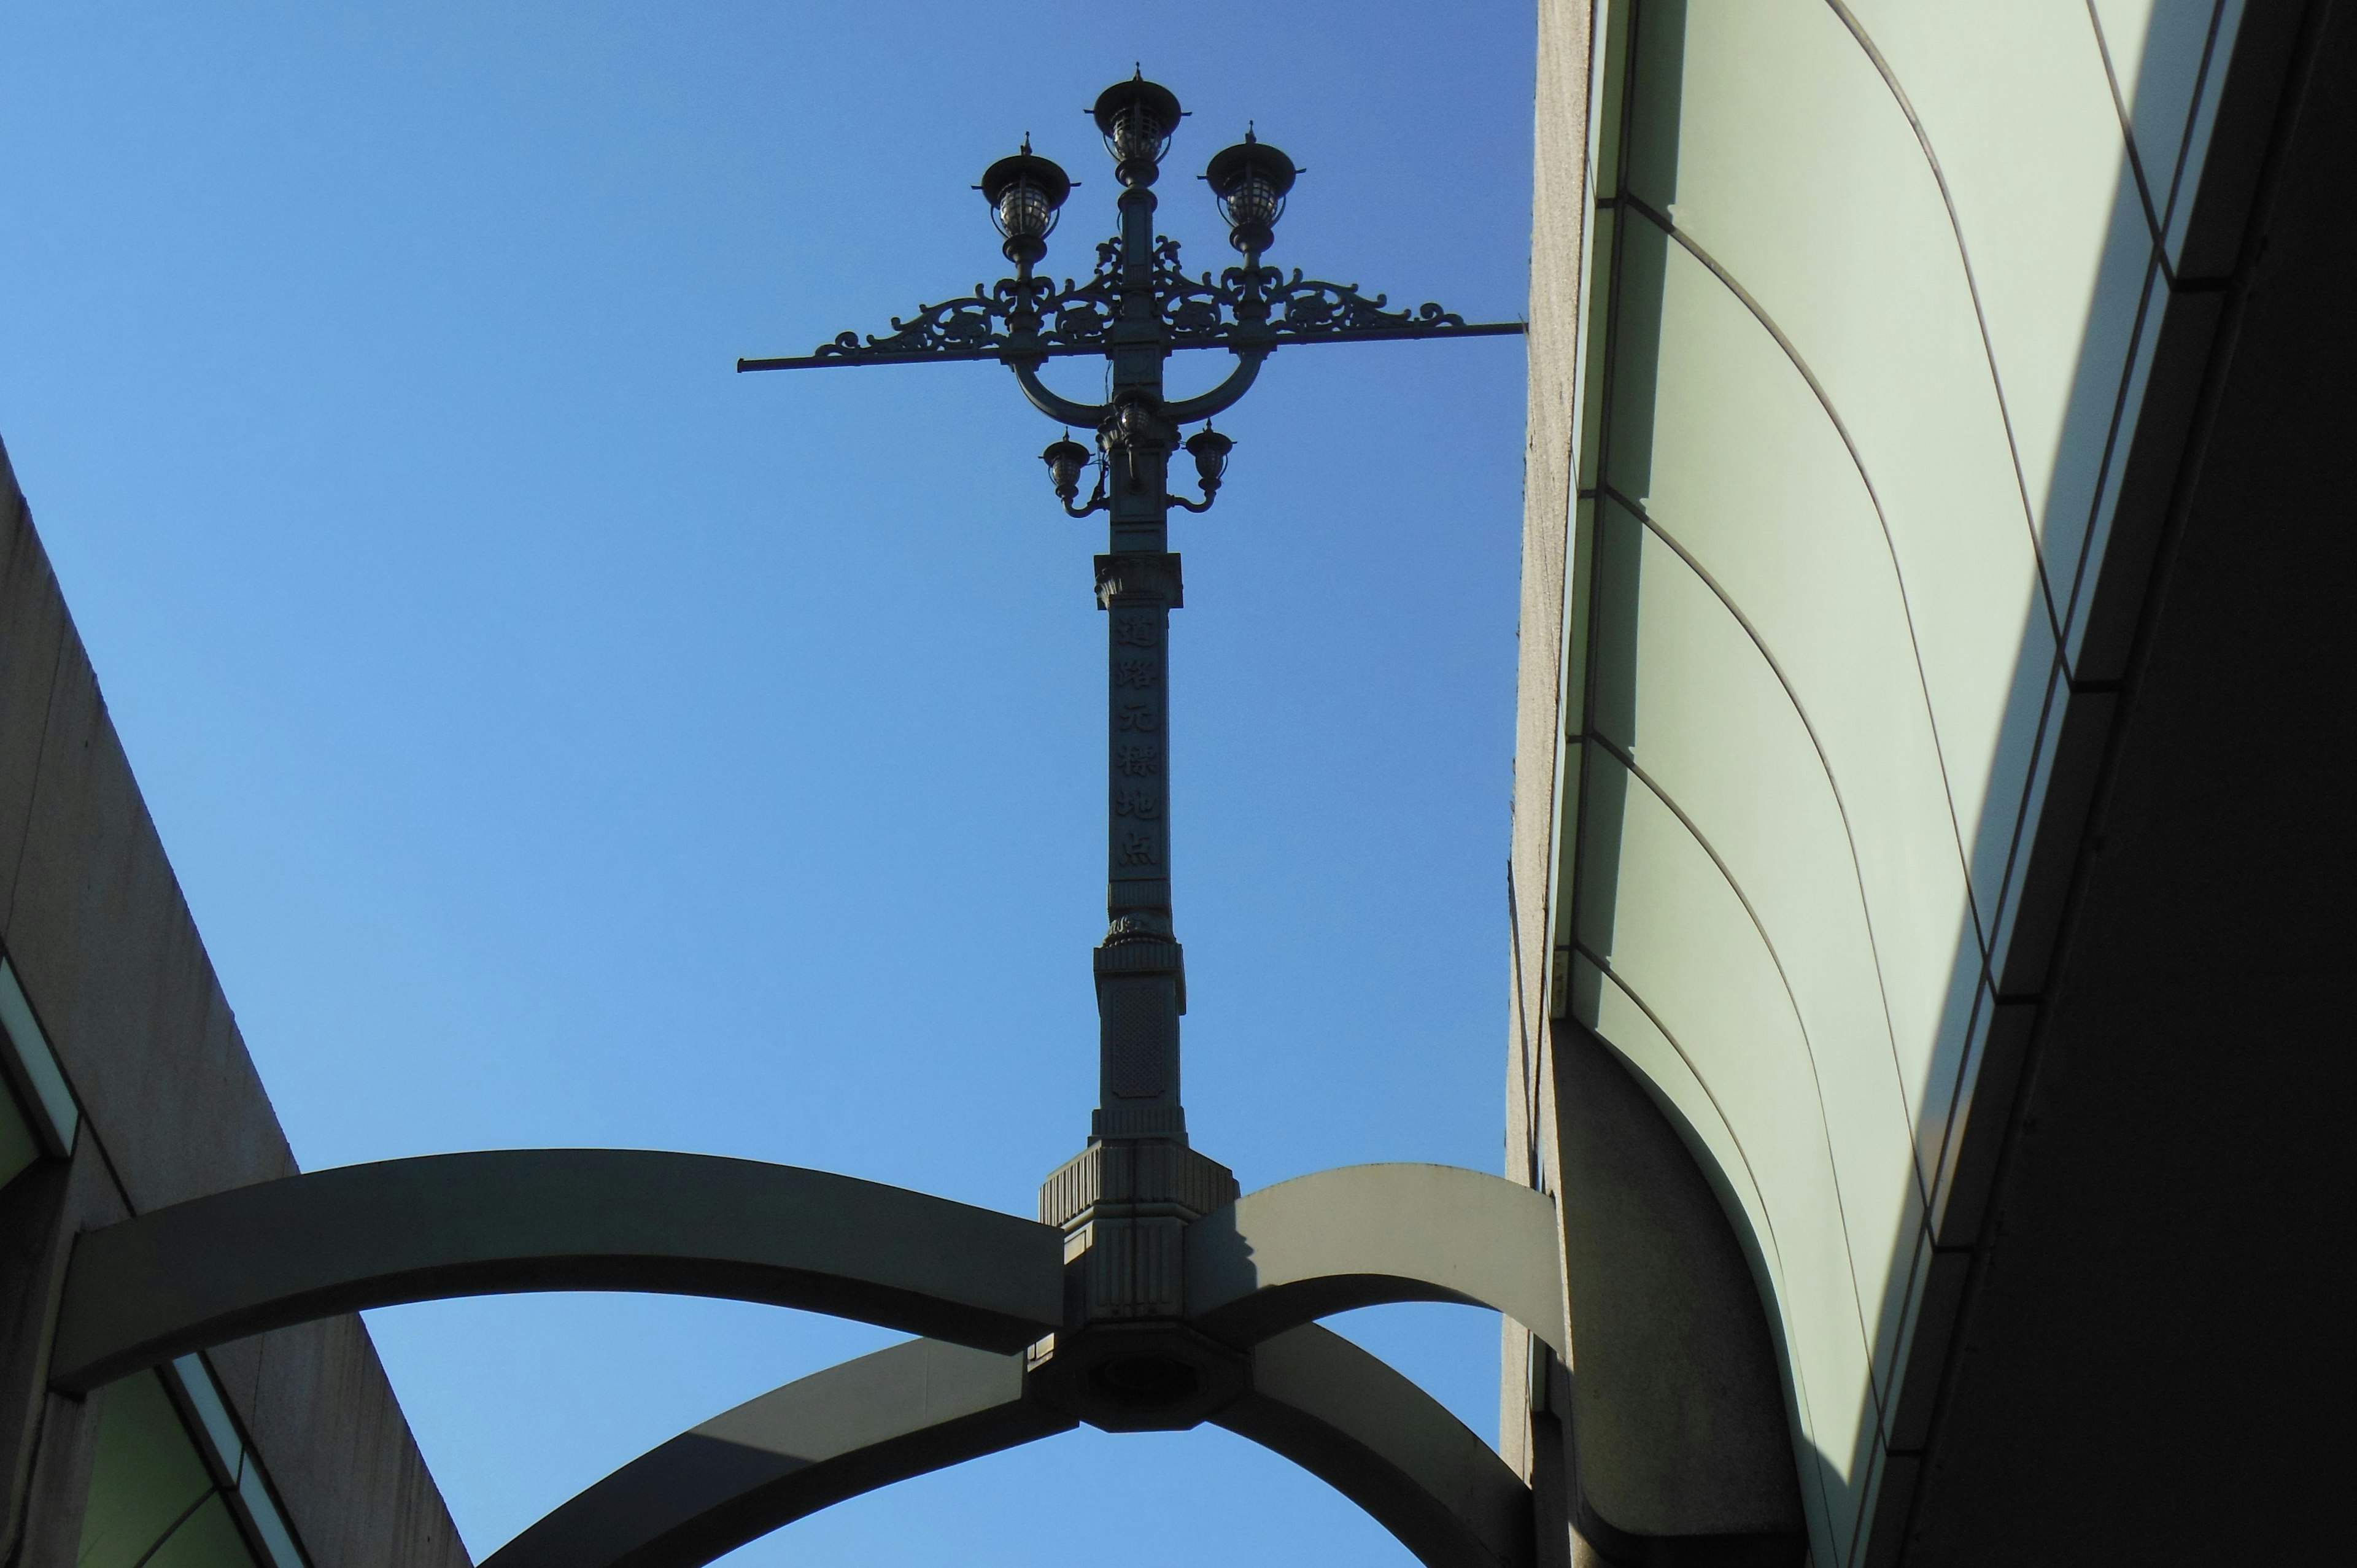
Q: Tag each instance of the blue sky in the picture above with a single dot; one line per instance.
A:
(563, 740)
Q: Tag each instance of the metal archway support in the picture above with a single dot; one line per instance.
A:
(1346, 1417)
(1316, 1399)
(305, 1247)
(1365, 1235)
(801, 1447)
(978, 1282)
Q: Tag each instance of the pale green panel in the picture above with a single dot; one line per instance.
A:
(1604, 134)
(1681, 940)
(1605, 1006)
(1575, 670)
(146, 1476)
(2013, 97)
(1751, 478)
(1790, 162)
(1591, 390)
(18, 1147)
(2155, 46)
(211, 1539)
(1720, 739)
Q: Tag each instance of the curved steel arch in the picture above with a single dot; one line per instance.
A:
(1363, 1235)
(1349, 1419)
(801, 1447)
(304, 1247)
(1316, 1399)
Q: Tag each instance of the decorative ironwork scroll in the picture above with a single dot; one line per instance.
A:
(1026, 320)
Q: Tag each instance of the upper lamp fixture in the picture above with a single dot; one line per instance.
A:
(1250, 180)
(1025, 192)
(1137, 117)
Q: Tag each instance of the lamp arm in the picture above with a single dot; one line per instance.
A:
(1098, 499)
(1222, 397)
(1088, 415)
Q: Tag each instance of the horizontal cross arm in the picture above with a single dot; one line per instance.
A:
(920, 357)
(1380, 334)
(1279, 339)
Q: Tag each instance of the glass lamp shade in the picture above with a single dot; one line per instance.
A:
(1209, 449)
(1137, 117)
(1025, 192)
(1065, 459)
(1250, 180)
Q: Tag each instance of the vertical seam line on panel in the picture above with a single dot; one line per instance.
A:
(1783, 1303)
(1972, 288)
(2128, 126)
(1857, 869)
(1857, 460)
(2185, 138)
(1808, 1046)
(2147, 321)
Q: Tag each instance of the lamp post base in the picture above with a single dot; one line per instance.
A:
(1139, 1377)
(1125, 1359)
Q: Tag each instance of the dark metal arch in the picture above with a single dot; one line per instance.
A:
(1316, 1399)
(261, 1257)
(1349, 1419)
(806, 1445)
(1363, 1235)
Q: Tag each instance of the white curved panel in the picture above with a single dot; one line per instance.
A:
(1788, 160)
(1718, 736)
(1751, 478)
(1679, 937)
(2013, 99)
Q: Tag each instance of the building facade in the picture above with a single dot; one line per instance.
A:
(1920, 994)
(128, 1090)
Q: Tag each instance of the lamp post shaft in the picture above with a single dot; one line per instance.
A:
(1140, 984)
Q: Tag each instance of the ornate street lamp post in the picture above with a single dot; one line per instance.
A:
(1124, 1201)
(1150, 1295)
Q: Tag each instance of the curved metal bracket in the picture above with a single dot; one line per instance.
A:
(810, 1444)
(1361, 1235)
(305, 1247)
(1052, 403)
(1223, 396)
(1316, 1399)
(1057, 406)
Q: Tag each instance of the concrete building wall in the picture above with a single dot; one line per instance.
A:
(1867, 302)
(169, 1107)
